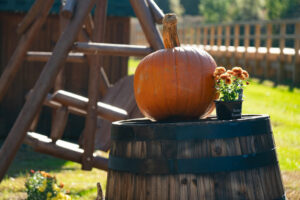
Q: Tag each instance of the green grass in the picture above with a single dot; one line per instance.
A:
(81, 184)
(282, 104)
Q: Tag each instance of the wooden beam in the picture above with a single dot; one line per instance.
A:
(156, 12)
(25, 42)
(32, 14)
(106, 111)
(151, 32)
(111, 49)
(68, 8)
(62, 149)
(44, 83)
(93, 88)
(41, 56)
(59, 123)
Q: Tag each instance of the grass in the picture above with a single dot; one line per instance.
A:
(282, 104)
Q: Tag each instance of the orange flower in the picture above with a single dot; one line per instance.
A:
(245, 73)
(237, 71)
(228, 81)
(230, 72)
(219, 71)
(61, 185)
(225, 76)
(241, 76)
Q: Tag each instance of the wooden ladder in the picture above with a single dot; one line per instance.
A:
(75, 15)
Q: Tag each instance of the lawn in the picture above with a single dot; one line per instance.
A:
(281, 103)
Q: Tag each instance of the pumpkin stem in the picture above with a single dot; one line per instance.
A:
(170, 36)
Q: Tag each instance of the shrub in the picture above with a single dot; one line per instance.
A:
(42, 186)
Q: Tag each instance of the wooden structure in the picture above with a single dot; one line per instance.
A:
(76, 68)
(52, 74)
(269, 49)
(206, 159)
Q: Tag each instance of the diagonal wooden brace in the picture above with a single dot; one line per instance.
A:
(42, 86)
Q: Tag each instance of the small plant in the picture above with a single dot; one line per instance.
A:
(42, 186)
(230, 83)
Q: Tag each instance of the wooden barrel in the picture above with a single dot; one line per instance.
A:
(206, 159)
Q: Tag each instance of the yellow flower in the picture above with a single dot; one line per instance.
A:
(55, 188)
(43, 186)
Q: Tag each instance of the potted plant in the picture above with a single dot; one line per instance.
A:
(230, 85)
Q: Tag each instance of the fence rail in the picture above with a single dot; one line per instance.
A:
(268, 49)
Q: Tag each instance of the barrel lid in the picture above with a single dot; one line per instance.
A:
(143, 129)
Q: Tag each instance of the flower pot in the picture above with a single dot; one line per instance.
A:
(229, 109)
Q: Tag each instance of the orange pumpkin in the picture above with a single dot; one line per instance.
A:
(176, 82)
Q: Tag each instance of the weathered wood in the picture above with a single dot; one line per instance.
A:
(257, 182)
(18, 56)
(281, 70)
(59, 123)
(42, 86)
(40, 56)
(111, 49)
(68, 8)
(120, 95)
(89, 25)
(62, 149)
(106, 111)
(157, 13)
(144, 16)
(212, 36)
(93, 92)
(296, 68)
(32, 14)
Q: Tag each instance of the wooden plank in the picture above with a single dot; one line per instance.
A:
(25, 42)
(42, 56)
(156, 12)
(89, 25)
(219, 36)
(41, 88)
(59, 123)
(205, 30)
(68, 8)
(32, 14)
(111, 49)
(150, 30)
(296, 69)
(62, 149)
(267, 66)
(281, 71)
(106, 111)
(212, 36)
(93, 92)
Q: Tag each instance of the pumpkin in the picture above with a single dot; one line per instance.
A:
(175, 82)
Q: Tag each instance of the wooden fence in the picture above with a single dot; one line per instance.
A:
(268, 49)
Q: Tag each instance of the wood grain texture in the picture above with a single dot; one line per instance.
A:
(42, 86)
(250, 184)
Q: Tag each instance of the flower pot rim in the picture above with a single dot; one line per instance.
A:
(229, 101)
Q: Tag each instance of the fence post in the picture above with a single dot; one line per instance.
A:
(219, 40)
(227, 43)
(212, 37)
(296, 70)
(204, 37)
(236, 42)
(268, 46)
(246, 45)
(257, 45)
(281, 70)
(198, 35)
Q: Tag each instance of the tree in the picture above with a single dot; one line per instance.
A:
(190, 7)
(216, 11)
